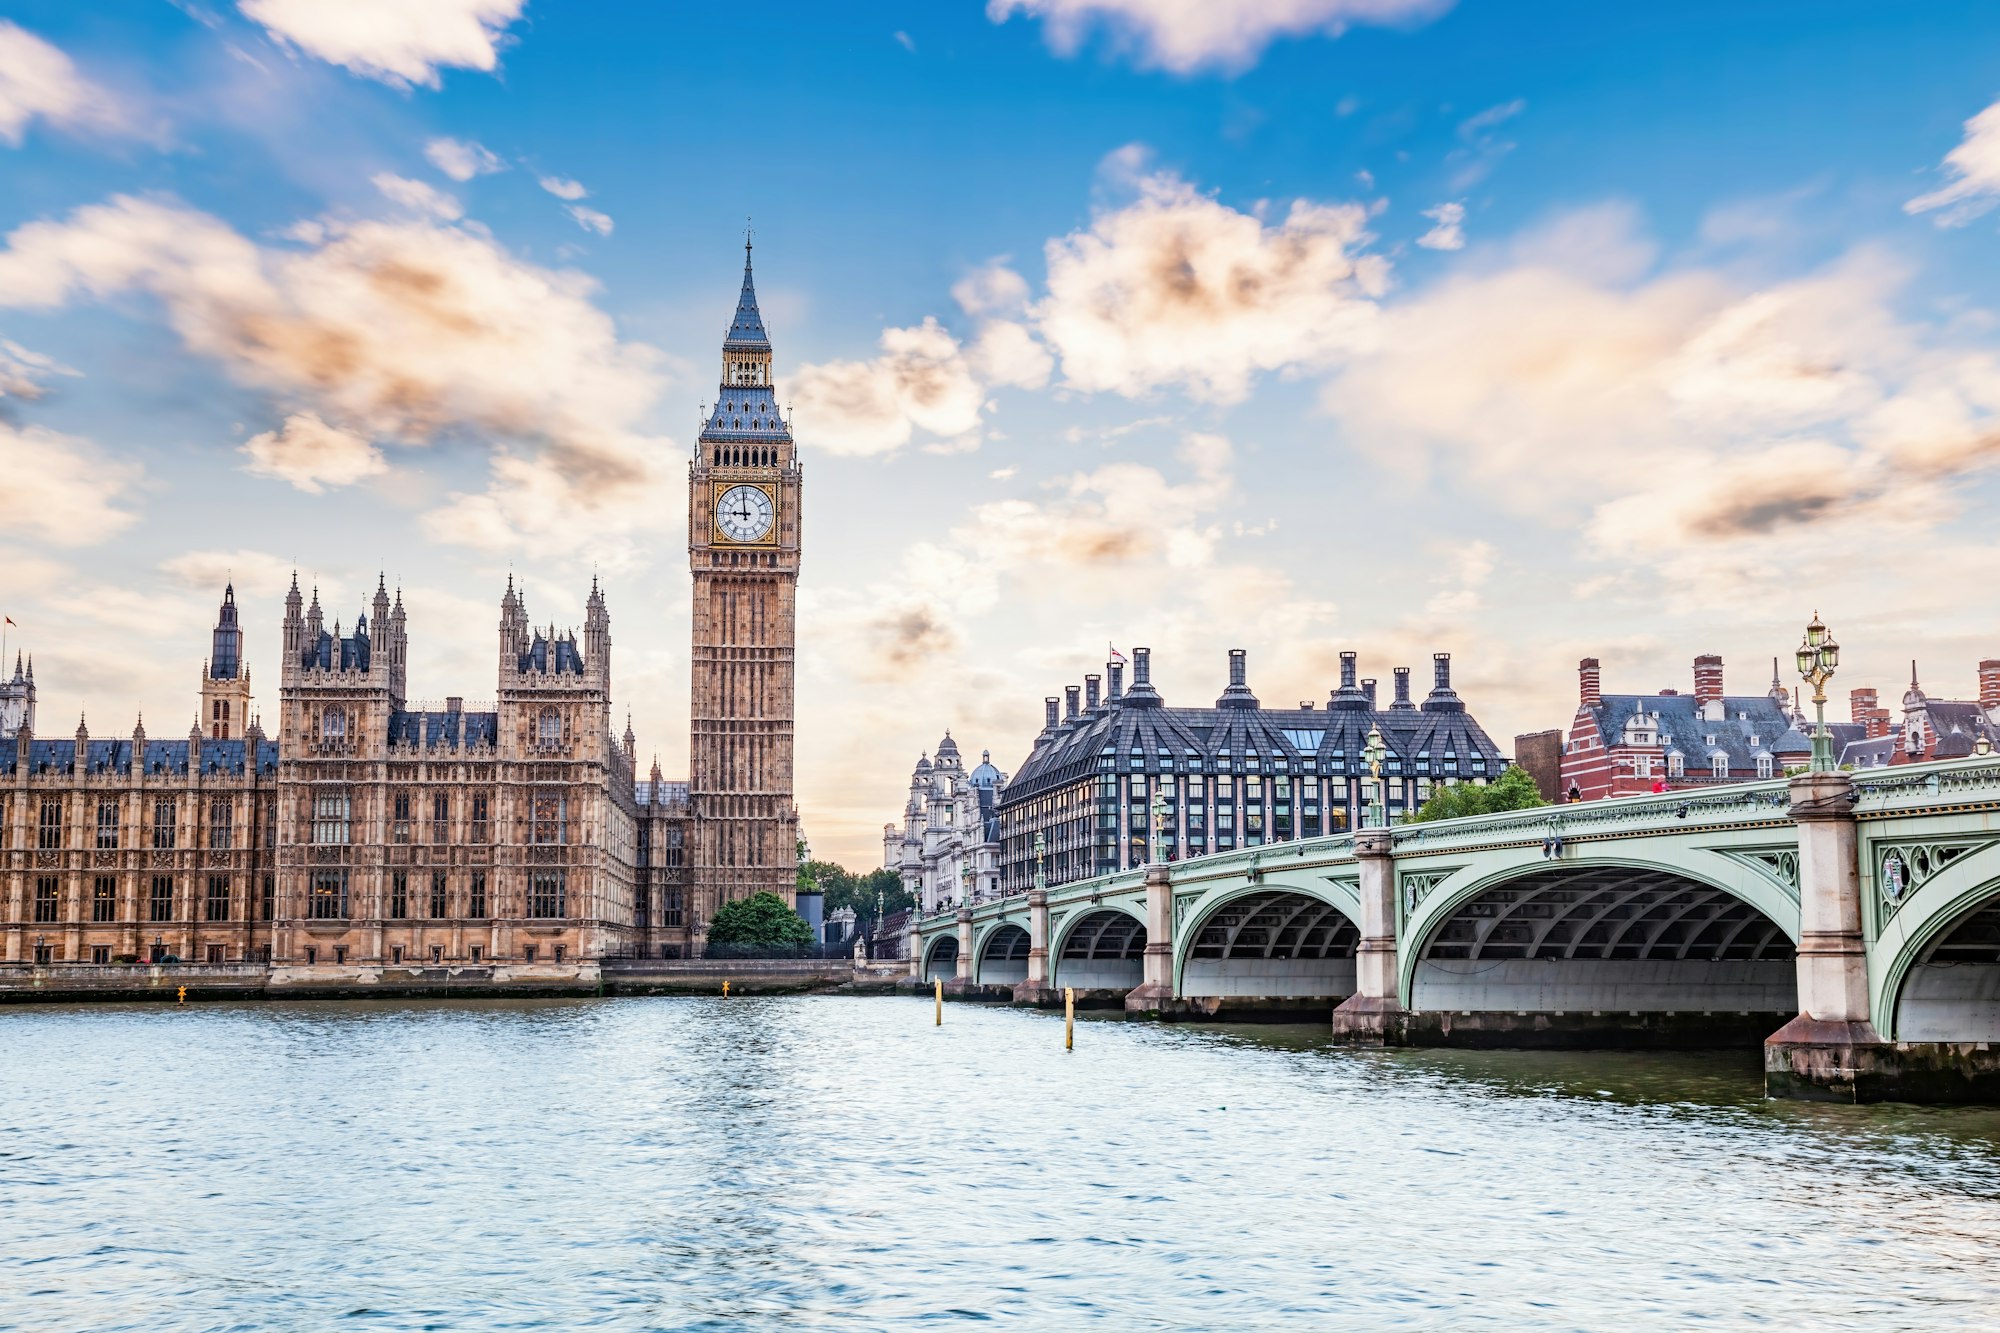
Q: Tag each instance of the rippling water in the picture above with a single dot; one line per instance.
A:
(840, 1162)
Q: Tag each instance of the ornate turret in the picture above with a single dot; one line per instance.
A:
(225, 680)
(17, 698)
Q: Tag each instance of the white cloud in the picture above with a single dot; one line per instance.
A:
(312, 455)
(22, 371)
(399, 42)
(921, 381)
(398, 332)
(1007, 353)
(908, 43)
(462, 159)
(62, 489)
(1449, 233)
(1178, 289)
(1123, 518)
(1974, 168)
(417, 196)
(590, 219)
(37, 79)
(991, 289)
(1713, 433)
(562, 188)
(1186, 35)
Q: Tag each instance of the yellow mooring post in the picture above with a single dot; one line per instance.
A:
(725, 988)
(939, 983)
(1069, 1018)
(182, 998)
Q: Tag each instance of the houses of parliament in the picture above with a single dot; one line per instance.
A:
(366, 829)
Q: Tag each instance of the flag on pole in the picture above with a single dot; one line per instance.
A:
(10, 620)
(1116, 656)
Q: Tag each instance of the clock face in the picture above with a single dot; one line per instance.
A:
(744, 514)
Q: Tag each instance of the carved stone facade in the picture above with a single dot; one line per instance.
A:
(744, 535)
(371, 831)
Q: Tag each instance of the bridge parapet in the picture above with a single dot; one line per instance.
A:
(1953, 784)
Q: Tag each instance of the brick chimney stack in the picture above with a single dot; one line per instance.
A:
(1867, 713)
(1708, 686)
(1989, 684)
(1589, 683)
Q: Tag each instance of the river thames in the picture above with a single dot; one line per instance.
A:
(839, 1162)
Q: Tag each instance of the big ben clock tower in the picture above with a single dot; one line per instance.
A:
(743, 549)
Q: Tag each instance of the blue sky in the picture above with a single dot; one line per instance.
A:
(1521, 332)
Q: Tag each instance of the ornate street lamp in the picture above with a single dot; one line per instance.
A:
(1159, 825)
(1041, 877)
(1374, 753)
(964, 884)
(1818, 656)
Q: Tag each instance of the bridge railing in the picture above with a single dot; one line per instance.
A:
(1706, 805)
(1943, 781)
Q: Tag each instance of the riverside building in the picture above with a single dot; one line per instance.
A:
(1235, 774)
(371, 830)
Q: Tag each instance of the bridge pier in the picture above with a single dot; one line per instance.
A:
(1155, 994)
(1034, 989)
(1374, 1014)
(1831, 1051)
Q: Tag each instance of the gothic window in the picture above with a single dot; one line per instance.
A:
(218, 897)
(550, 728)
(104, 899)
(46, 911)
(331, 816)
(270, 897)
(164, 833)
(160, 903)
(399, 894)
(326, 896)
(546, 892)
(551, 817)
(476, 904)
(271, 824)
(400, 832)
(438, 895)
(440, 818)
(107, 826)
(221, 822)
(49, 836)
(333, 726)
(479, 833)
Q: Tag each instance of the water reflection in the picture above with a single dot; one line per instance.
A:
(638, 1164)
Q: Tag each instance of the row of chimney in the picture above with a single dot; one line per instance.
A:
(1864, 704)
(1080, 701)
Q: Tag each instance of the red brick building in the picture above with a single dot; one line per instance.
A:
(1626, 744)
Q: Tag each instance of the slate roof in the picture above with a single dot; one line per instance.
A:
(346, 653)
(1441, 741)
(224, 758)
(563, 652)
(1876, 753)
(746, 328)
(746, 412)
(1954, 727)
(660, 793)
(427, 729)
(1682, 728)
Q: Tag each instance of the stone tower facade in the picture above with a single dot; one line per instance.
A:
(744, 528)
(225, 677)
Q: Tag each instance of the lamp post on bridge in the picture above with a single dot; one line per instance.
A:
(1817, 657)
(1374, 753)
(1159, 825)
(1041, 875)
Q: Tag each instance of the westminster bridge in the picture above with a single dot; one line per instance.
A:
(1851, 922)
